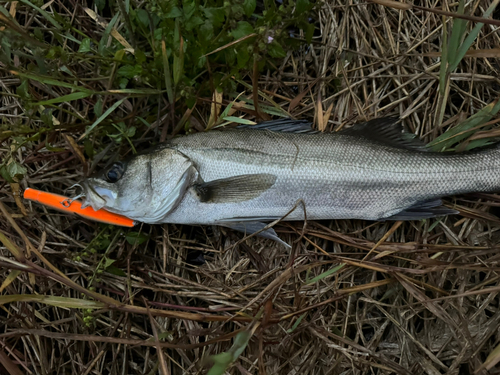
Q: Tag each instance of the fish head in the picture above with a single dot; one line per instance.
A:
(146, 188)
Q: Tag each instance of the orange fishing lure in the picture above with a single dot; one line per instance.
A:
(65, 204)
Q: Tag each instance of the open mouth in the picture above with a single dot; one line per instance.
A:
(95, 196)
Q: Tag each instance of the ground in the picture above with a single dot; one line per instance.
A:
(83, 82)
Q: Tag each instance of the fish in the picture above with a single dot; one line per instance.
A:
(244, 178)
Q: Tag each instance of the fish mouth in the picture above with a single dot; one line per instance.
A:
(95, 196)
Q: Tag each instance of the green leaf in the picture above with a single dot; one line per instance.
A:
(174, 13)
(115, 271)
(193, 23)
(98, 107)
(216, 16)
(309, 32)
(129, 71)
(275, 50)
(189, 8)
(122, 82)
(140, 56)
(249, 7)
(108, 262)
(136, 238)
(143, 17)
(100, 4)
(301, 6)
(84, 46)
(207, 31)
(5, 175)
(221, 362)
(242, 56)
(130, 132)
(89, 148)
(16, 170)
(46, 117)
(23, 89)
(243, 29)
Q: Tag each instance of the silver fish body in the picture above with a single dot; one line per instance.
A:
(344, 175)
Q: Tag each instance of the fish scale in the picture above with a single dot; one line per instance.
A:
(337, 176)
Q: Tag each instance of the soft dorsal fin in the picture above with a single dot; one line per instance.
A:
(386, 130)
(283, 125)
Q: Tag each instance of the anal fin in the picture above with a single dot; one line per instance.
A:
(423, 210)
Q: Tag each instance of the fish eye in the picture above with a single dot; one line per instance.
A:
(115, 172)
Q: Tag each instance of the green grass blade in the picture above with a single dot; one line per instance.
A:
(238, 120)
(51, 81)
(166, 73)
(66, 98)
(296, 324)
(444, 82)
(178, 58)
(144, 91)
(325, 274)
(102, 117)
(107, 32)
(463, 130)
(9, 279)
(457, 34)
(471, 37)
(223, 360)
(47, 16)
(15, 251)
(276, 111)
(64, 302)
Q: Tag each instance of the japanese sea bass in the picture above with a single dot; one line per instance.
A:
(243, 178)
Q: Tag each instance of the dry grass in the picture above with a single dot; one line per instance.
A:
(424, 300)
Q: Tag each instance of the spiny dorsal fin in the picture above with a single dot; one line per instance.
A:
(386, 130)
(283, 125)
(234, 189)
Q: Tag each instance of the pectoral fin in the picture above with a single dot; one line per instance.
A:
(255, 226)
(234, 189)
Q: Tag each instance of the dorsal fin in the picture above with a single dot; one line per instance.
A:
(386, 130)
(283, 125)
